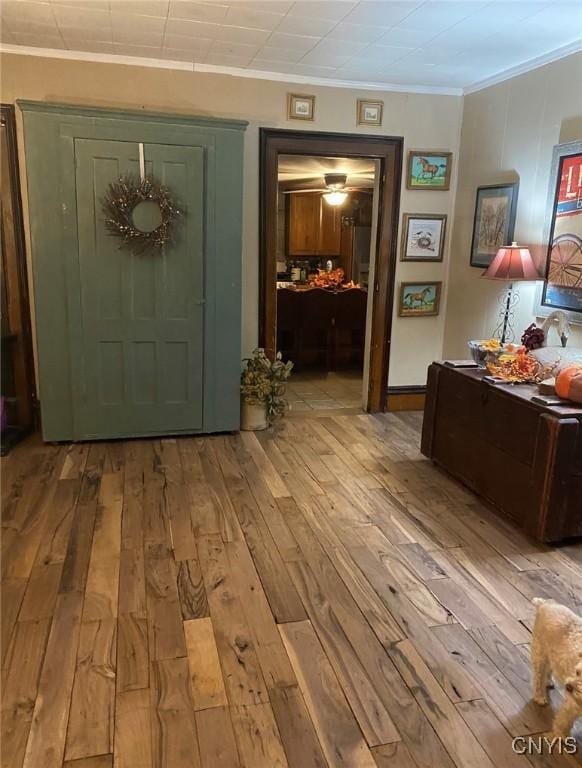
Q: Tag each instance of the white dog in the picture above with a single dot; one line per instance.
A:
(556, 651)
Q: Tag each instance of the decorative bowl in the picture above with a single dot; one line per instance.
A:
(478, 353)
(482, 352)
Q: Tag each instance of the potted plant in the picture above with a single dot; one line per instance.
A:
(263, 384)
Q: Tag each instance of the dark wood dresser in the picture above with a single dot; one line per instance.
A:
(524, 458)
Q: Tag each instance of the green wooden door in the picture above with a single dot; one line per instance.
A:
(138, 335)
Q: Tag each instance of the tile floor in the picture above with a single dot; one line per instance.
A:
(319, 391)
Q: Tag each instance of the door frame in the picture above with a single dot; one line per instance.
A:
(388, 150)
(22, 301)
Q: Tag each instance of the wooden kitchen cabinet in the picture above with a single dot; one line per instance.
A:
(330, 232)
(303, 224)
(314, 226)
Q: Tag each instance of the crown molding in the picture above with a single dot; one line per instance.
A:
(527, 66)
(253, 74)
(256, 74)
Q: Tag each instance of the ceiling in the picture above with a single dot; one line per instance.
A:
(306, 172)
(406, 44)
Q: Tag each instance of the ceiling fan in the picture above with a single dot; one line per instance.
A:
(335, 190)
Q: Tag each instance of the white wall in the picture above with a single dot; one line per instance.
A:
(425, 122)
(508, 134)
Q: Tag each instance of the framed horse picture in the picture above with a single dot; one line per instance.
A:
(419, 299)
(429, 169)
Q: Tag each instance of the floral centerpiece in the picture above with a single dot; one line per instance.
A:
(324, 279)
(518, 367)
(263, 385)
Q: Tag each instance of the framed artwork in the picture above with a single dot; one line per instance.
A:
(423, 236)
(428, 169)
(563, 232)
(419, 299)
(369, 112)
(494, 221)
(300, 107)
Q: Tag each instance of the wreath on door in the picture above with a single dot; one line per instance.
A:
(141, 212)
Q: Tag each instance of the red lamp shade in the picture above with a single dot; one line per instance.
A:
(512, 262)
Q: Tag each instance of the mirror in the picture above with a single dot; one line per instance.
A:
(146, 216)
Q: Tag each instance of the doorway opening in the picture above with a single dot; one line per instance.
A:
(329, 213)
(324, 234)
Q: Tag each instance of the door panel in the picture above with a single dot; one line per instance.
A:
(139, 365)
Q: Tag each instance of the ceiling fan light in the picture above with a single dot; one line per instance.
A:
(335, 198)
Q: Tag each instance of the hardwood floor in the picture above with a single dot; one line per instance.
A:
(314, 595)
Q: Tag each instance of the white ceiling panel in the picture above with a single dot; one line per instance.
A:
(384, 14)
(245, 17)
(301, 42)
(40, 41)
(276, 54)
(98, 5)
(192, 28)
(301, 25)
(84, 17)
(185, 9)
(73, 34)
(39, 13)
(316, 9)
(418, 44)
(356, 33)
(143, 7)
(243, 35)
(144, 51)
(177, 54)
(406, 38)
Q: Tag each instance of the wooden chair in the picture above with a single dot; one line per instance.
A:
(288, 324)
(349, 329)
(316, 323)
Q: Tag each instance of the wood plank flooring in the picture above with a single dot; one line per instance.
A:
(314, 595)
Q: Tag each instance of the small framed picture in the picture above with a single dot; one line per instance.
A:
(369, 112)
(419, 299)
(423, 236)
(494, 221)
(429, 169)
(300, 107)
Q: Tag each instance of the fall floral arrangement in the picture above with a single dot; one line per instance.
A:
(516, 366)
(264, 381)
(325, 279)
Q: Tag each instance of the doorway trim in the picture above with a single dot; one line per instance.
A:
(388, 150)
(18, 285)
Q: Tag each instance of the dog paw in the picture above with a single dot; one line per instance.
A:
(541, 701)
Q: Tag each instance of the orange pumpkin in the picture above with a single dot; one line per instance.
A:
(569, 383)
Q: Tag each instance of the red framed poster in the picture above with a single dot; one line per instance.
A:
(563, 288)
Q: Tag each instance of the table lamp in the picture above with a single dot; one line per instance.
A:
(512, 263)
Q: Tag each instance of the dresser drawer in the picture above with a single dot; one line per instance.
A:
(489, 414)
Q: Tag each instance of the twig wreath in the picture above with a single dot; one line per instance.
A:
(120, 202)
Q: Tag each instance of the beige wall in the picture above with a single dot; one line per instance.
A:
(508, 134)
(425, 122)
